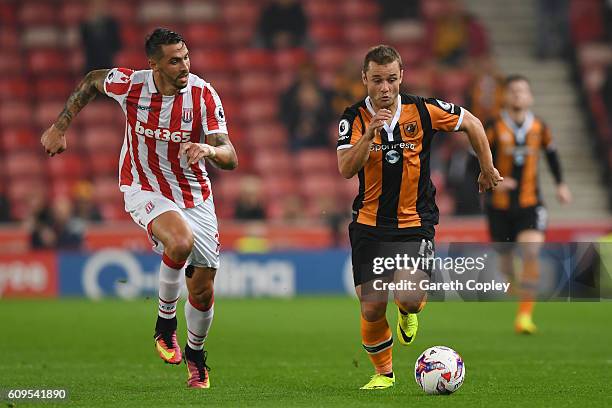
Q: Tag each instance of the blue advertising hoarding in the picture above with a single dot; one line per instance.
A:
(127, 274)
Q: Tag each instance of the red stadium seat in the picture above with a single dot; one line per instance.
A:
(15, 113)
(278, 185)
(318, 185)
(103, 164)
(586, 21)
(11, 89)
(19, 138)
(37, 13)
(316, 161)
(253, 85)
(227, 188)
(158, 12)
(273, 161)
(46, 113)
(237, 13)
(46, 88)
(106, 190)
(418, 78)
(9, 38)
(99, 139)
(45, 62)
(324, 33)
(240, 36)
(432, 9)
(11, 63)
(330, 57)
(320, 10)
(363, 34)
(209, 61)
(62, 186)
(269, 135)
(124, 11)
(148, 27)
(222, 81)
(199, 11)
(132, 37)
(231, 107)
(252, 59)
(8, 13)
(25, 164)
(131, 58)
(264, 110)
(356, 10)
(453, 81)
(22, 192)
(199, 35)
(347, 190)
(103, 112)
(289, 59)
(72, 12)
(413, 53)
(114, 211)
(67, 165)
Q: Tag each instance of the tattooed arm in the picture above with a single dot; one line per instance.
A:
(54, 140)
(219, 151)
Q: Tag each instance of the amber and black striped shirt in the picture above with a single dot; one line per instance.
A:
(516, 151)
(394, 186)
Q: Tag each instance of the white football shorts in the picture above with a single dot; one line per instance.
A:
(145, 206)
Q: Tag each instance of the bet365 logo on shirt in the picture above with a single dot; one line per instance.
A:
(162, 134)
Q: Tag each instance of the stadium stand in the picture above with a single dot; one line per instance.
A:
(40, 44)
(38, 39)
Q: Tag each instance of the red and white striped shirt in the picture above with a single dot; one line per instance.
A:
(156, 125)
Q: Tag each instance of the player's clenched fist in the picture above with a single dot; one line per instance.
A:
(53, 140)
(194, 152)
(377, 122)
(488, 180)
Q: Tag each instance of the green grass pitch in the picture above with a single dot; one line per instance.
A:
(303, 352)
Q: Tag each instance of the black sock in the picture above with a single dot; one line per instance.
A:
(165, 325)
(390, 375)
(193, 355)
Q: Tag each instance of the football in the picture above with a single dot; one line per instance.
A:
(439, 370)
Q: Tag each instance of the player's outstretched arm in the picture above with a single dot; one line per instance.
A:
(489, 176)
(54, 139)
(219, 150)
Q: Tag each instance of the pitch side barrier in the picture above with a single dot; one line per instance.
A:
(460, 271)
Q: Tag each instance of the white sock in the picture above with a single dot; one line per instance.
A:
(198, 324)
(169, 287)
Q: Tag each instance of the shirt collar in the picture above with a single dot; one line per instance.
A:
(525, 126)
(153, 88)
(396, 116)
(520, 133)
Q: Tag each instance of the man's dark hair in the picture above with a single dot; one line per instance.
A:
(382, 55)
(159, 37)
(515, 78)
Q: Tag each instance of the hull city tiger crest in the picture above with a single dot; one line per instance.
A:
(410, 127)
(187, 115)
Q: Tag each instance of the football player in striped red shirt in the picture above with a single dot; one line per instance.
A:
(174, 122)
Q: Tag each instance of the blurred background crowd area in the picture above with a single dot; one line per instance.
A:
(285, 71)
